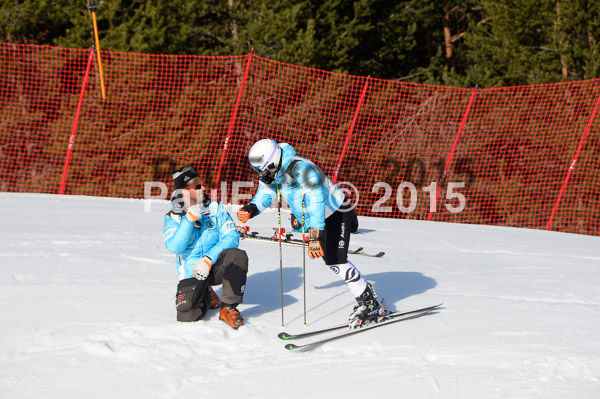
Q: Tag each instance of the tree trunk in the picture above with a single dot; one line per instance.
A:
(447, 35)
(234, 27)
(563, 61)
(239, 70)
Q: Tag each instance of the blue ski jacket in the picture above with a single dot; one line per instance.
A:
(300, 180)
(208, 236)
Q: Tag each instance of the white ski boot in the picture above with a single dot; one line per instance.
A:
(367, 309)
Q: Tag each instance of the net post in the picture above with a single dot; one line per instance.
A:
(71, 144)
(351, 129)
(572, 165)
(233, 117)
(461, 127)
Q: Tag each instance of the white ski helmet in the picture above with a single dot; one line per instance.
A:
(265, 158)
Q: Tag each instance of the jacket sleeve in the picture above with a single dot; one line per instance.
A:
(176, 233)
(264, 196)
(310, 183)
(228, 235)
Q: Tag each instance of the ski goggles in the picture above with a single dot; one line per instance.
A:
(269, 165)
(263, 174)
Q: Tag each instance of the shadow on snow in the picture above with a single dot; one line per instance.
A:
(263, 294)
(263, 290)
(395, 286)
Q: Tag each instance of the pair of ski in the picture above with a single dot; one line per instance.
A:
(394, 317)
(287, 239)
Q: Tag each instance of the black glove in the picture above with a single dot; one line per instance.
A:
(246, 212)
(178, 206)
(296, 224)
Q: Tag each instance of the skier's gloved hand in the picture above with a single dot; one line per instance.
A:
(194, 212)
(315, 250)
(296, 224)
(246, 212)
(178, 206)
(202, 268)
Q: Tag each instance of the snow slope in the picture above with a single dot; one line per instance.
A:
(87, 310)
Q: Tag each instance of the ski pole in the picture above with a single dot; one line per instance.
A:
(280, 249)
(303, 259)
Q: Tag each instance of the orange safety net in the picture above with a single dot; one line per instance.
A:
(524, 156)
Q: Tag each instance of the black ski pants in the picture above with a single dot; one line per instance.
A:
(230, 270)
(336, 239)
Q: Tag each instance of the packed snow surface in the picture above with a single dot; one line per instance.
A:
(87, 310)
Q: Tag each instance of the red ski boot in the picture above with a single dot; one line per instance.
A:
(231, 316)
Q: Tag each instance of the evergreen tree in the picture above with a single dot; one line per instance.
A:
(281, 30)
(450, 22)
(514, 44)
(160, 26)
(35, 21)
(578, 35)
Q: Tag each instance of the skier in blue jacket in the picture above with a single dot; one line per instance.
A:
(313, 197)
(204, 237)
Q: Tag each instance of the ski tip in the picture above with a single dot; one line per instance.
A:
(285, 336)
(292, 347)
(380, 254)
(435, 307)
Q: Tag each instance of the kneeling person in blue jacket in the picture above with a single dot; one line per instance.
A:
(204, 237)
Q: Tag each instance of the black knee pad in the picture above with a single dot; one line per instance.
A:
(192, 299)
(236, 276)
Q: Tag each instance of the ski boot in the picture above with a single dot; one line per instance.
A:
(230, 315)
(367, 309)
